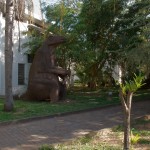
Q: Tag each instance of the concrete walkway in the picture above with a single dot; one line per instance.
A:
(30, 135)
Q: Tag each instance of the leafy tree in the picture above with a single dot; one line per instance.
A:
(115, 31)
(95, 31)
(35, 40)
(62, 18)
(131, 39)
(123, 34)
(132, 50)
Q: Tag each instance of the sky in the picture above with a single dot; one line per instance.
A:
(50, 1)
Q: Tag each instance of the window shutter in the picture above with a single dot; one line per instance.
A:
(21, 72)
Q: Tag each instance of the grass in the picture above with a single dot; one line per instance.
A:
(142, 95)
(80, 147)
(87, 142)
(140, 135)
(77, 100)
(144, 141)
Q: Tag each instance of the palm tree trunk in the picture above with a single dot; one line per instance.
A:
(9, 104)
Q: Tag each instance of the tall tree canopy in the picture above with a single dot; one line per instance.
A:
(113, 30)
(106, 33)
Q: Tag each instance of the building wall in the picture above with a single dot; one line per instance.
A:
(117, 73)
(18, 57)
(37, 9)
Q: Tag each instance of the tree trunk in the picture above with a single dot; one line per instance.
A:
(92, 85)
(126, 103)
(127, 130)
(9, 104)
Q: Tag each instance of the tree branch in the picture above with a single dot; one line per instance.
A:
(123, 101)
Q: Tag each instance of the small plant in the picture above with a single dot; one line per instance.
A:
(47, 147)
(134, 138)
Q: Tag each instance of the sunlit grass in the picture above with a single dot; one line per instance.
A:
(75, 101)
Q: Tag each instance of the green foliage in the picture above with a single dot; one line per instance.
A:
(105, 32)
(137, 136)
(132, 38)
(95, 31)
(141, 133)
(35, 40)
(113, 31)
(134, 137)
(63, 17)
(132, 85)
(47, 147)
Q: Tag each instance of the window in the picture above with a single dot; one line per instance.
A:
(21, 72)
(30, 58)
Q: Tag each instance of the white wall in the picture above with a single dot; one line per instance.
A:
(18, 57)
(2, 71)
(37, 9)
(117, 73)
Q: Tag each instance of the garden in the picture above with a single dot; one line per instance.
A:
(96, 53)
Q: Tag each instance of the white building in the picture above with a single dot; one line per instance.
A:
(20, 60)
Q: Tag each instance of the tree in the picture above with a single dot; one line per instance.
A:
(114, 32)
(131, 29)
(116, 38)
(9, 104)
(126, 94)
(95, 33)
(131, 52)
(14, 9)
(61, 18)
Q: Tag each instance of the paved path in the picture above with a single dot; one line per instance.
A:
(28, 136)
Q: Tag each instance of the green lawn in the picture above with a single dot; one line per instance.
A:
(76, 101)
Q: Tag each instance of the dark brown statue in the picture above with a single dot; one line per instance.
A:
(44, 75)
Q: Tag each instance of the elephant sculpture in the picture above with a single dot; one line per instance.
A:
(44, 74)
